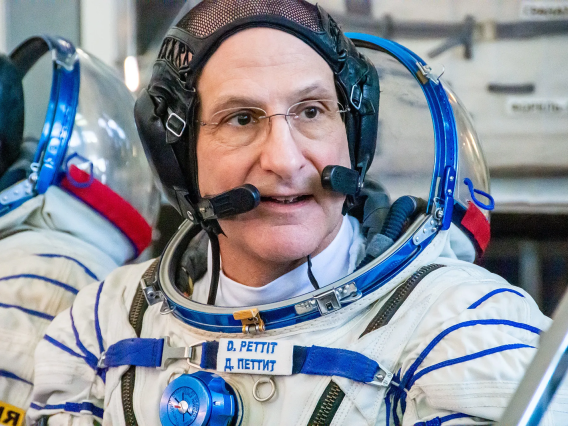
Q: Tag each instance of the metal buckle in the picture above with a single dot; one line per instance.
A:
(17, 192)
(427, 72)
(101, 363)
(206, 209)
(251, 320)
(357, 103)
(328, 302)
(331, 300)
(182, 122)
(173, 353)
(382, 378)
(152, 295)
(429, 228)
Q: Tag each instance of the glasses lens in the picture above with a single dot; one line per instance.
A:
(316, 119)
(237, 126)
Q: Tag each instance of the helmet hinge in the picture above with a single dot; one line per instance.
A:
(251, 320)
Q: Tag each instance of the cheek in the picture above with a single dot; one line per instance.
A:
(219, 168)
(333, 152)
(205, 169)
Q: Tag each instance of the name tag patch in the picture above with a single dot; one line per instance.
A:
(10, 415)
(253, 356)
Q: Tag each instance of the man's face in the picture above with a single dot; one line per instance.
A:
(272, 70)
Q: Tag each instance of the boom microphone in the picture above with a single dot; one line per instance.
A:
(341, 179)
(230, 203)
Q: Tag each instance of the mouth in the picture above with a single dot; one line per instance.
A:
(285, 200)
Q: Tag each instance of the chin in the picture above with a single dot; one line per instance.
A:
(279, 239)
(285, 243)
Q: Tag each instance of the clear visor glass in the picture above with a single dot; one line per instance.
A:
(105, 134)
(104, 137)
(472, 166)
(405, 150)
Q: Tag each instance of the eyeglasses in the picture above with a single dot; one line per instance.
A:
(314, 120)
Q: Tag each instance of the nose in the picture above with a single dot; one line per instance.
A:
(281, 153)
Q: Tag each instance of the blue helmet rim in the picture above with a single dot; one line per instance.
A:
(60, 116)
(59, 119)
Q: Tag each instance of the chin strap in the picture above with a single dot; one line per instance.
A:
(311, 274)
(216, 267)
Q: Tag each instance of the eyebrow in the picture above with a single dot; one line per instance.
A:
(313, 90)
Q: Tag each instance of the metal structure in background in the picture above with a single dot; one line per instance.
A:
(502, 58)
(544, 375)
(465, 33)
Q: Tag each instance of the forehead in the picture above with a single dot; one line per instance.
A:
(266, 66)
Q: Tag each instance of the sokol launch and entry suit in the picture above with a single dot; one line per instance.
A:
(56, 240)
(413, 334)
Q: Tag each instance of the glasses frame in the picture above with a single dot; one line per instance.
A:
(341, 110)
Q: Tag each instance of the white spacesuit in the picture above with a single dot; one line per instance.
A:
(413, 333)
(56, 240)
(487, 313)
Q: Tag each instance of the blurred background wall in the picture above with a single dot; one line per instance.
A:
(506, 59)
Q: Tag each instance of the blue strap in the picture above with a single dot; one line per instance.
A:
(97, 322)
(393, 393)
(473, 191)
(209, 355)
(39, 277)
(139, 352)
(493, 293)
(352, 365)
(28, 311)
(315, 360)
(72, 407)
(7, 374)
(437, 421)
(388, 409)
(87, 270)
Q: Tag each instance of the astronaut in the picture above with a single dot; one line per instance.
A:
(288, 297)
(68, 202)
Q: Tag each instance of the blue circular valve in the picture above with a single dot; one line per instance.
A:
(198, 399)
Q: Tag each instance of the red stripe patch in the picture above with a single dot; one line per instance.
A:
(112, 206)
(476, 223)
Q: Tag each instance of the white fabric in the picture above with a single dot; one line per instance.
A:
(481, 387)
(335, 261)
(458, 246)
(58, 225)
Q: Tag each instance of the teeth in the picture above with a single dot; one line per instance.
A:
(286, 200)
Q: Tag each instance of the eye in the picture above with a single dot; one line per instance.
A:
(241, 119)
(311, 112)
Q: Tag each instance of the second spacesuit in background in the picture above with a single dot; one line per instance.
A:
(73, 206)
